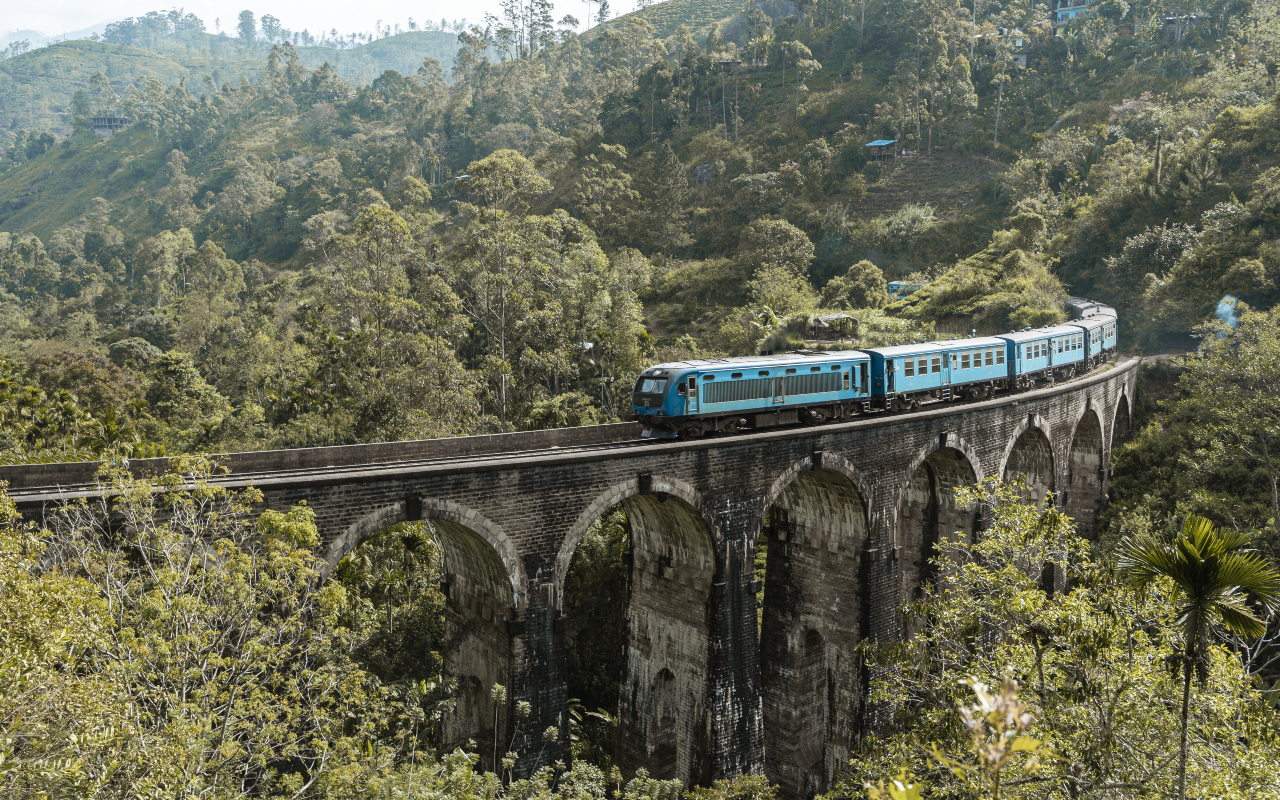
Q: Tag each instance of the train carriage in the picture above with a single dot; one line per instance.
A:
(904, 375)
(692, 398)
(1055, 352)
(728, 395)
(1100, 336)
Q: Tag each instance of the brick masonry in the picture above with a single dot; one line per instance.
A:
(853, 511)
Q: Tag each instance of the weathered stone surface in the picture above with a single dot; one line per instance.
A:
(855, 510)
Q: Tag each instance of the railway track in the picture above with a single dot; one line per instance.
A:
(61, 492)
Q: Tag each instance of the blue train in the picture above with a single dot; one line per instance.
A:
(728, 395)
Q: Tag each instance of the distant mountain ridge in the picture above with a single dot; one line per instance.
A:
(37, 87)
(38, 39)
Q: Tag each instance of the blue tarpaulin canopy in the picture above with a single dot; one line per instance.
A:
(881, 142)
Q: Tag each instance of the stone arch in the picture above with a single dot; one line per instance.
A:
(1029, 453)
(613, 496)
(445, 510)
(483, 583)
(1121, 419)
(821, 460)
(928, 511)
(1085, 489)
(815, 591)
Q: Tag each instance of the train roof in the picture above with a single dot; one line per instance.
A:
(788, 358)
(1095, 321)
(1040, 333)
(933, 347)
(1083, 307)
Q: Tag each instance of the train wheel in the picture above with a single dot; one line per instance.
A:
(692, 430)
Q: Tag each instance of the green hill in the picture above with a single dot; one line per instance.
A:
(666, 17)
(36, 88)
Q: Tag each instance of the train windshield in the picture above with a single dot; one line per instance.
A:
(653, 385)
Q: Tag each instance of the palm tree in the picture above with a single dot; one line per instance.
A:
(1213, 575)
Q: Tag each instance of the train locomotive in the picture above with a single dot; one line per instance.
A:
(689, 399)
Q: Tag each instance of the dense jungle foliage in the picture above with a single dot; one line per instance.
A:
(312, 241)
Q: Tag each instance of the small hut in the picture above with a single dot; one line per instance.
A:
(829, 327)
(882, 150)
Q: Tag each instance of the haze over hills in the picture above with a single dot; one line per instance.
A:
(40, 39)
(36, 87)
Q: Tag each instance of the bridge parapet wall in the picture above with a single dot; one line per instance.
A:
(268, 461)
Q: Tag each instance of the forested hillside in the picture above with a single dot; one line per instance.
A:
(311, 260)
(495, 228)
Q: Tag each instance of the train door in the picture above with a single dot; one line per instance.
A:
(779, 390)
(864, 386)
(692, 395)
(948, 365)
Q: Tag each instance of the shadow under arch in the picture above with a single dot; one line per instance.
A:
(928, 510)
(671, 562)
(1121, 419)
(1029, 454)
(1085, 478)
(814, 615)
(673, 565)
(484, 586)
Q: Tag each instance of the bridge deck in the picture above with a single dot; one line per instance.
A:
(50, 483)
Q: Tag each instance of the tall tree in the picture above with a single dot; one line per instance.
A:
(1234, 388)
(1214, 578)
(501, 261)
(668, 195)
(246, 28)
(1001, 67)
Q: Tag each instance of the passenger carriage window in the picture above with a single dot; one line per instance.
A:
(990, 356)
(909, 368)
(999, 356)
(964, 360)
(937, 364)
(846, 381)
(923, 366)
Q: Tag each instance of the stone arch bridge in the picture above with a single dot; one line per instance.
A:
(851, 512)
